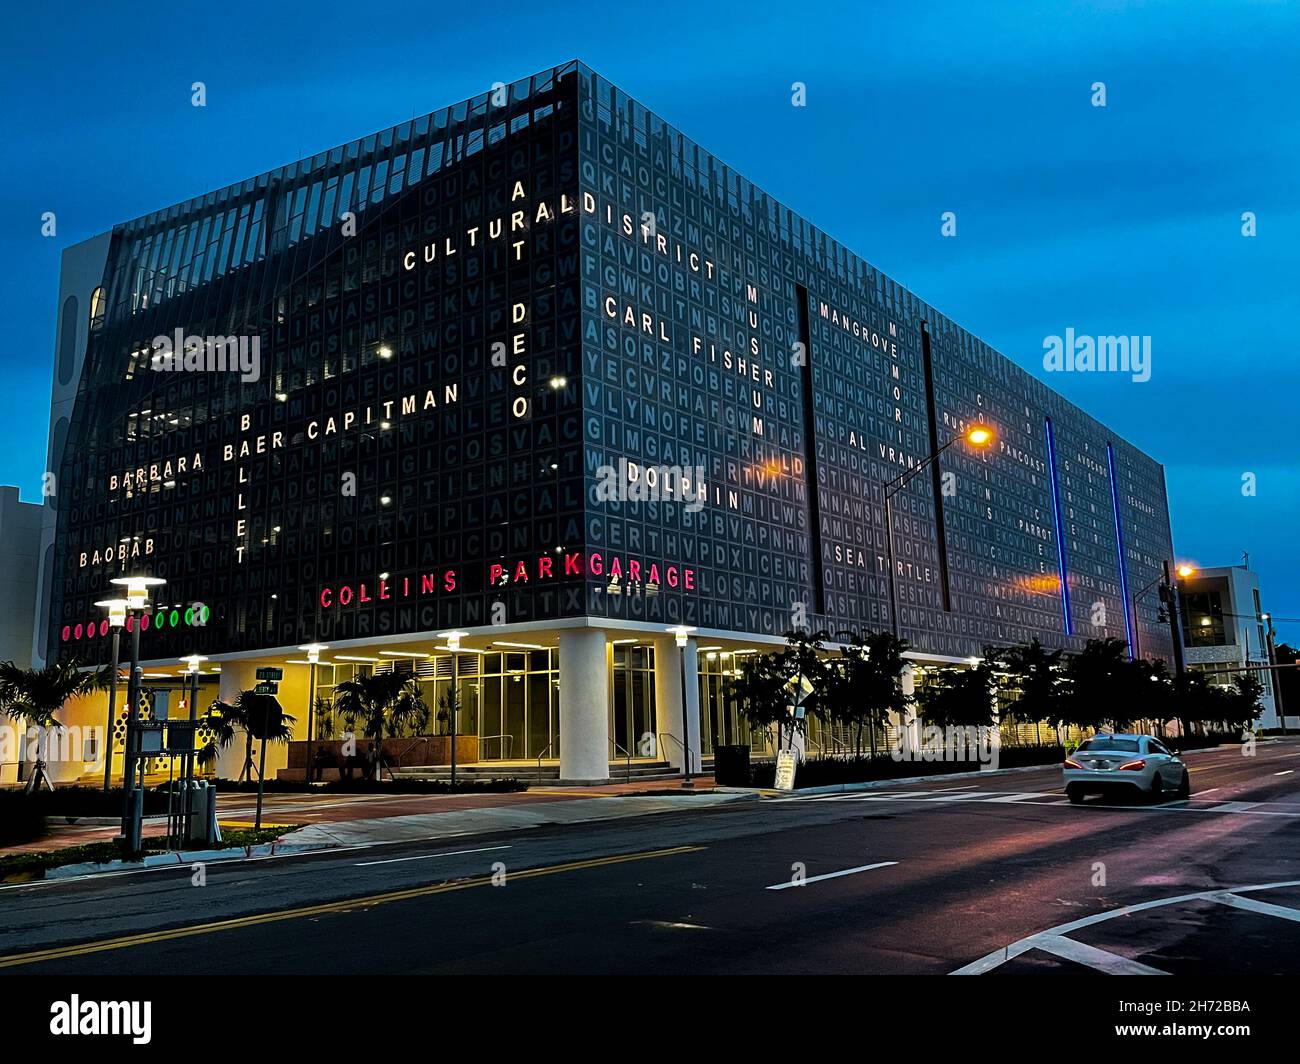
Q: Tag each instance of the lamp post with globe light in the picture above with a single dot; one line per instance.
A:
(680, 634)
(116, 621)
(313, 659)
(453, 645)
(137, 604)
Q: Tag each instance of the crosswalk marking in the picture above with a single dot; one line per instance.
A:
(1045, 798)
(977, 796)
(1021, 796)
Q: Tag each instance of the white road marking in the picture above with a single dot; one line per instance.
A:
(1102, 960)
(1286, 773)
(979, 796)
(428, 856)
(1009, 952)
(831, 875)
(1264, 908)
(1038, 798)
(1020, 797)
(900, 796)
(1232, 807)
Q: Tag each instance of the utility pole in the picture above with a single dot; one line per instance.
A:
(1273, 679)
(1175, 623)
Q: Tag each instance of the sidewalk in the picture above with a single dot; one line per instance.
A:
(361, 818)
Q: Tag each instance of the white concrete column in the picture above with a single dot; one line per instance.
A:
(584, 705)
(691, 658)
(236, 676)
(910, 724)
(668, 700)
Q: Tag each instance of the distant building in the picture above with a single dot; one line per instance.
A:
(20, 535)
(1226, 631)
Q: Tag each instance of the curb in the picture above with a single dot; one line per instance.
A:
(159, 860)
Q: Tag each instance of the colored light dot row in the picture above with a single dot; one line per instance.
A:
(164, 619)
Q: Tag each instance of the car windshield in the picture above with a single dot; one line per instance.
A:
(1102, 743)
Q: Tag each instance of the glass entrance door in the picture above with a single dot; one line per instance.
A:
(519, 706)
(632, 707)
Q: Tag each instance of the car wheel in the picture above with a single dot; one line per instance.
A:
(1075, 794)
(1185, 786)
(1157, 792)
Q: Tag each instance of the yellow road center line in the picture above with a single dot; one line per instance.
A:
(368, 901)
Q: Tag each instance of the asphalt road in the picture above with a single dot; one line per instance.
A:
(995, 874)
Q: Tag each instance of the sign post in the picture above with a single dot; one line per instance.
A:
(785, 766)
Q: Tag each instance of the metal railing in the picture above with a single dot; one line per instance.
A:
(620, 750)
(841, 746)
(397, 758)
(540, 757)
(686, 752)
(507, 748)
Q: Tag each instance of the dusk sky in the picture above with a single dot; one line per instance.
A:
(1124, 219)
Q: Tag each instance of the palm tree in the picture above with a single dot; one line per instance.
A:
(385, 702)
(226, 720)
(37, 695)
(258, 717)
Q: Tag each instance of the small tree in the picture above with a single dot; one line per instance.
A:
(808, 680)
(1243, 706)
(37, 695)
(247, 714)
(383, 704)
(961, 698)
(759, 691)
(879, 673)
(1036, 673)
(1150, 690)
(1197, 700)
(1100, 683)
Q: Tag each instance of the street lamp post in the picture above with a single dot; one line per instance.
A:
(116, 621)
(1170, 588)
(313, 659)
(1163, 580)
(192, 666)
(453, 644)
(680, 634)
(137, 602)
(978, 436)
(1273, 680)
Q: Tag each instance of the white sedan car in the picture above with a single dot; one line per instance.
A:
(1137, 763)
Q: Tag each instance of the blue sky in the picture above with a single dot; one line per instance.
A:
(1124, 219)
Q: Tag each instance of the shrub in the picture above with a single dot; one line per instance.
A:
(828, 771)
(23, 816)
(19, 821)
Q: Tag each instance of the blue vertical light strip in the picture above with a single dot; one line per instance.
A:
(1060, 529)
(1119, 545)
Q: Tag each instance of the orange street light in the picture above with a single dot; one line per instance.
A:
(1186, 570)
(979, 435)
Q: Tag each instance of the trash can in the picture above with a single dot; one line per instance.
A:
(731, 766)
